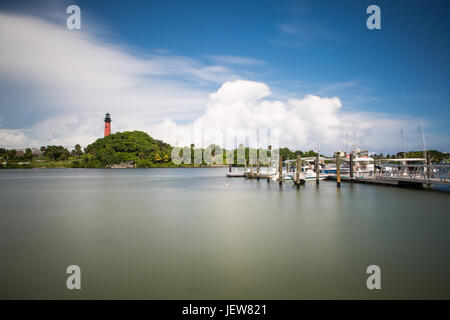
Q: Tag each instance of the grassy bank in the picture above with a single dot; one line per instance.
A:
(85, 162)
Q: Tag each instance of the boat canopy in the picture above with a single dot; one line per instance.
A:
(357, 159)
(404, 160)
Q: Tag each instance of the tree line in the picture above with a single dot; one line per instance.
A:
(142, 150)
(435, 155)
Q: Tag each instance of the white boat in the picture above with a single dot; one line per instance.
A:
(310, 175)
(330, 168)
(235, 174)
(363, 167)
(288, 176)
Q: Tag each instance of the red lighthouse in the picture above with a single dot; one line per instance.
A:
(107, 124)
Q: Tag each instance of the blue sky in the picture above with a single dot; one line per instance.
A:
(296, 48)
(407, 61)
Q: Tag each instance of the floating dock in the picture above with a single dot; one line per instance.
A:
(376, 180)
(236, 174)
(406, 175)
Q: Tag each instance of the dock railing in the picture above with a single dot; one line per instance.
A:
(430, 174)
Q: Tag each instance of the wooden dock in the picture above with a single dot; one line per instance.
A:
(379, 180)
(236, 174)
(369, 180)
(406, 175)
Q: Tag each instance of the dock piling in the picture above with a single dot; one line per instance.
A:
(428, 170)
(375, 165)
(280, 169)
(299, 169)
(316, 165)
(257, 170)
(245, 166)
(338, 169)
(351, 167)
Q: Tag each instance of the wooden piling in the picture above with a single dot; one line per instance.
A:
(299, 169)
(338, 169)
(375, 165)
(229, 168)
(351, 167)
(316, 164)
(269, 169)
(428, 159)
(257, 170)
(251, 170)
(280, 169)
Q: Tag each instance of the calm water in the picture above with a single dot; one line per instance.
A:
(185, 234)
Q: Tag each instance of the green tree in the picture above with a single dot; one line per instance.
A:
(192, 153)
(63, 156)
(28, 154)
(89, 149)
(129, 146)
(78, 151)
(11, 154)
(55, 152)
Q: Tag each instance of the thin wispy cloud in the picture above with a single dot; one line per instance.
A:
(337, 86)
(236, 60)
(298, 34)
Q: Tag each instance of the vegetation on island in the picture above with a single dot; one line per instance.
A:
(138, 149)
(435, 156)
(129, 146)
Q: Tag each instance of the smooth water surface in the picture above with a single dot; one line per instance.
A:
(195, 234)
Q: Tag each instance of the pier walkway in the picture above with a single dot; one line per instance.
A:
(405, 175)
(418, 175)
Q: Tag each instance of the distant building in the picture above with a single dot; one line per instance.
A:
(20, 152)
(36, 152)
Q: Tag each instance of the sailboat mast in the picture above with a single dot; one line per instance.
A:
(346, 143)
(423, 141)
(403, 145)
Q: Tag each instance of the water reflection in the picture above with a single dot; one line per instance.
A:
(182, 233)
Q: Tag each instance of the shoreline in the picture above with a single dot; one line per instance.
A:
(156, 167)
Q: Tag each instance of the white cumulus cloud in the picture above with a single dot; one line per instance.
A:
(305, 123)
